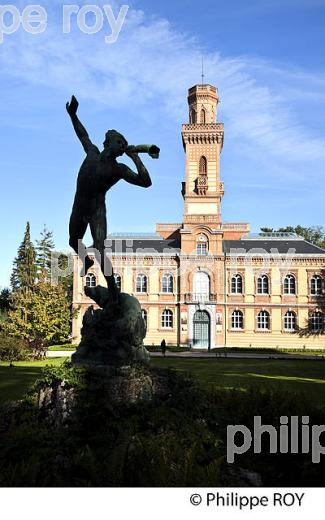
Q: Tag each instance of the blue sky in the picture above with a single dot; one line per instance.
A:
(267, 59)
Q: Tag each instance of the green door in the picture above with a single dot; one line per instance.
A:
(201, 330)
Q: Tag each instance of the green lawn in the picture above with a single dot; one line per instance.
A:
(15, 381)
(293, 376)
(287, 375)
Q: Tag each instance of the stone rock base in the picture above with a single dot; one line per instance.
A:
(116, 386)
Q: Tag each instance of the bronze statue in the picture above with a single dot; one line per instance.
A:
(98, 173)
(114, 333)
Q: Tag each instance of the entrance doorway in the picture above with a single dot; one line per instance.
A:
(201, 330)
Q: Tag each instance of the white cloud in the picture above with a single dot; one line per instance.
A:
(151, 66)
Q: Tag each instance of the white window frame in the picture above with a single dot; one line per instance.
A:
(260, 284)
(141, 283)
(167, 319)
(316, 285)
(91, 280)
(289, 284)
(263, 318)
(236, 283)
(290, 318)
(167, 283)
(237, 320)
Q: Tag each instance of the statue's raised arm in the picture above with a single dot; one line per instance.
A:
(80, 130)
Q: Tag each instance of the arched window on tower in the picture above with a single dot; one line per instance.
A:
(202, 116)
(202, 181)
(202, 245)
(192, 117)
(203, 165)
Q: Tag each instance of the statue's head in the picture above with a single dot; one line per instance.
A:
(115, 142)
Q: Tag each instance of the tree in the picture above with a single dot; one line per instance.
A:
(40, 316)
(44, 248)
(66, 281)
(4, 300)
(313, 234)
(267, 230)
(24, 270)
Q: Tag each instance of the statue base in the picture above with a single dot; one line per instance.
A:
(112, 335)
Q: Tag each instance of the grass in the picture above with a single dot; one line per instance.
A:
(16, 381)
(292, 376)
(64, 348)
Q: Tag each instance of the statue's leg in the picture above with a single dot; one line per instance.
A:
(77, 229)
(98, 227)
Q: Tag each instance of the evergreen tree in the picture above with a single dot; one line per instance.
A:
(24, 270)
(41, 316)
(4, 300)
(44, 247)
(66, 281)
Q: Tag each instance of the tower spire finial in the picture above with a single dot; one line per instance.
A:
(202, 75)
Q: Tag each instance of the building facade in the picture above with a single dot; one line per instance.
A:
(205, 283)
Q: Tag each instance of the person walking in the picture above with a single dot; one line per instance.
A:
(163, 347)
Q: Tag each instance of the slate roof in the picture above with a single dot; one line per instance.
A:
(154, 244)
(139, 245)
(300, 246)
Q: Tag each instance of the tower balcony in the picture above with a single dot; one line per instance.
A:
(202, 133)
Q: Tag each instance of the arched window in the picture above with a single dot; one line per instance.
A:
(237, 320)
(145, 316)
(316, 321)
(202, 245)
(263, 284)
(91, 280)
(202, 116)
(201, 286)
(167, 283)
(237, 284)
(167, 319)
(290, 321)
(203, 166)
(289, 284)
(118, 280)
(316, 285)
(263, 320)
(192, 116)
(141, 283)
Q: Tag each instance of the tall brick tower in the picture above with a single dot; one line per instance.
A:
(202, 190)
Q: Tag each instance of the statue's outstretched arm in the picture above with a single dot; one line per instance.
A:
(142, 178)
(80, 130)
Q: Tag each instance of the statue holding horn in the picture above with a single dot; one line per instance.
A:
(98, 173)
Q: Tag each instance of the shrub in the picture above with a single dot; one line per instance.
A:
(12, 349)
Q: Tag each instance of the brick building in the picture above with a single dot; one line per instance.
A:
(207, 283)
